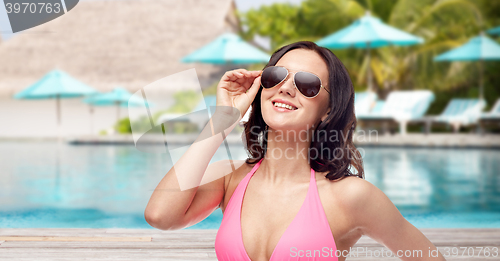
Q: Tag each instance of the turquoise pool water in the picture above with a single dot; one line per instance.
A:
(105, 186)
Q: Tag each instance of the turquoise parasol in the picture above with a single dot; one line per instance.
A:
(479, 48)
(56, 84)
(227, 49)
(366, 33)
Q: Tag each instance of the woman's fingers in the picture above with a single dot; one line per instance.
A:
(238, 88)
(232, 75)
(254, 88)
(245, 73)
(242, 77)
(250, 79)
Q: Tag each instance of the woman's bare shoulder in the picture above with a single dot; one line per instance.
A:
(230, 169)
(369, 208)
(240, 167)
(354, 192)
(228, 166)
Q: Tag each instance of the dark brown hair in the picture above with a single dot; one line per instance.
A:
(334, 155)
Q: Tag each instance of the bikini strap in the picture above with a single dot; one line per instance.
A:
(312, 183)
(255, 167)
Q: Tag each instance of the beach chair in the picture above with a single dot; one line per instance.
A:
(378, 108)
(461, 112)
(197, 116)
(364, 102)
(211, 102)
(375, 116)
(490, 118)
(401, 108)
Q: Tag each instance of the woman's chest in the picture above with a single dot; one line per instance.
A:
(292, 223)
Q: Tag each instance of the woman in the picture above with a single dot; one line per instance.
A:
(302, 186)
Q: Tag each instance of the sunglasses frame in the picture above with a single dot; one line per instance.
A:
(288, 73)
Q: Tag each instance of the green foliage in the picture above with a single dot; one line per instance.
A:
(123, 126)
(143, 124)
(185, 101)
(276, 21)
(180, 127)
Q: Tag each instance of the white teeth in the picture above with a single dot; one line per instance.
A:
(282, 105)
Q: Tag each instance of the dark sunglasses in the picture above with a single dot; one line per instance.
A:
(307, 83)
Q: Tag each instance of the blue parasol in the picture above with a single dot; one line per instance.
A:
(227, 49)
(479, 48)
(495, 30)
(366, 33)
(56, 85)
(118, 97)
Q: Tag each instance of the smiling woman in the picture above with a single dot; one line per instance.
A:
(336, 107)
(300, 194)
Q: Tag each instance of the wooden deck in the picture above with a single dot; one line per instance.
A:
(144, 244)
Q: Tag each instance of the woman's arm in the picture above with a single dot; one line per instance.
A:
(377, 217)
(170, 205)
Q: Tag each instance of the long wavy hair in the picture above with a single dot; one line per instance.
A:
(335, 155)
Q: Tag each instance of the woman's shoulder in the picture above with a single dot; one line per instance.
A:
(364, 203)
(226, 164)
(231, 169)
(230, 166)
(235, 171)
(353, 191)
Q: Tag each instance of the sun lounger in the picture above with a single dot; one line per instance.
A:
(199, 115)
(490, 118)
(461, 112)
(378, 108)
(364, 102)
(400, 107)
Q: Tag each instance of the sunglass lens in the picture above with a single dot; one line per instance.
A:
(307, 83)
(271, 76)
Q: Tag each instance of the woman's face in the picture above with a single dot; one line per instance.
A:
(307, 112)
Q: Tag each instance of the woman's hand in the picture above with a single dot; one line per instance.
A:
(238, 89)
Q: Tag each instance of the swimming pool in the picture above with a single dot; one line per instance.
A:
(106, 186)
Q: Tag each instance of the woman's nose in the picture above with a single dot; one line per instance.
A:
(287, 86)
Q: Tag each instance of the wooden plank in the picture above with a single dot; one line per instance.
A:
(120, 239)
(103, 232)
(111, 245)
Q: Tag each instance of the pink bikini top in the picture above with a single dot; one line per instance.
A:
(308, 237)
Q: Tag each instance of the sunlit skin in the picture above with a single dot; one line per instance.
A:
(353, 206)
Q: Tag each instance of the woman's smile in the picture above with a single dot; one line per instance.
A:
(283, 105)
